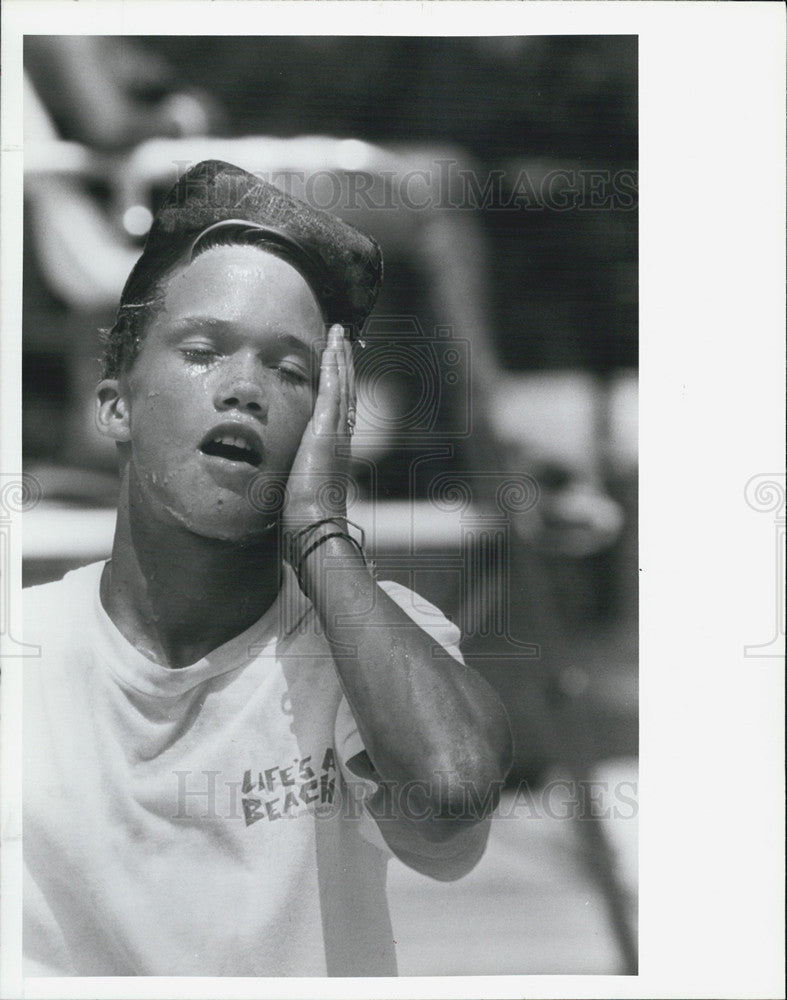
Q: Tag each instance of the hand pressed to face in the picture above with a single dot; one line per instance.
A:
(317, 482)
(220, 395)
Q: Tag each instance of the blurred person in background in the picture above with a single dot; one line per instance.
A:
(113, 92)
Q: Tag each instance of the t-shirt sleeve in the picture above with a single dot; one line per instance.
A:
(426, 616)
(348, 740)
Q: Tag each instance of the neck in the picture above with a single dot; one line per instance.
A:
(177, 596)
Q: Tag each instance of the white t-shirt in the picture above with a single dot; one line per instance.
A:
(197, 821)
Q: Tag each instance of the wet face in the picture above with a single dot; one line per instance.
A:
(221, 392)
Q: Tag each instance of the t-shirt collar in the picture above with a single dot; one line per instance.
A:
(134, 669)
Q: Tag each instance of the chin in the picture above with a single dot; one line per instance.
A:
(225, 517)
(211, 510)
(237, 528)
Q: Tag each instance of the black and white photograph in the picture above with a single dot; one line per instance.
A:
(331, 632)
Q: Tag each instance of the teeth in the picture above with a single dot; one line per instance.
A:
(236, 442)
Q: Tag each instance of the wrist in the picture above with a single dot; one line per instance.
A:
(334, 553)
(311, 517)
(301, 543)
(301, 534)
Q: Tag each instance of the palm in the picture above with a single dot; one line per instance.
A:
(317, 483)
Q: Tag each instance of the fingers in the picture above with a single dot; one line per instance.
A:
(337, 333)
(326, 404)
(351, 396)
(331, 406)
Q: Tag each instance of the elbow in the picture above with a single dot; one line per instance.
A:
(473, 776)
(470, 793)
(464, 774)
(489, 765)
(492, 755)
(502, 749)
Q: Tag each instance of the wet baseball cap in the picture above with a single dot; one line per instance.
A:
(342, 265)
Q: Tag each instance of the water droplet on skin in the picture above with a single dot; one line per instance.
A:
(153, 478)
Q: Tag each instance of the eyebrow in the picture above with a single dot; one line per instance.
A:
(225, 327)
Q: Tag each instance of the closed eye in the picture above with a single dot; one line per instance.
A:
(289, 374)
(199, 355)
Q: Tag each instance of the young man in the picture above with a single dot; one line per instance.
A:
(232, 725)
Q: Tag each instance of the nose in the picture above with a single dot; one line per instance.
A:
(240, 391)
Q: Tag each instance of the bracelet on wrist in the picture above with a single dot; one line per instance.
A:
(295, 540)
(296, 554)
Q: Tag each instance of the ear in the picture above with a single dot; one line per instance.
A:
(112, 412)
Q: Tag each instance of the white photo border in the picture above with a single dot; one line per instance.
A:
(712, 264)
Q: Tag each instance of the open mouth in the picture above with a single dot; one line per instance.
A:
(233, 448)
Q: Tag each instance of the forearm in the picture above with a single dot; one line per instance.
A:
(423, 717)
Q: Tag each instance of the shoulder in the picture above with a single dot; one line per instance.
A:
(409, 599)
(77, 583)
(48, 605)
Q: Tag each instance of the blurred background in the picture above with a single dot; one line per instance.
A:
(496, 449)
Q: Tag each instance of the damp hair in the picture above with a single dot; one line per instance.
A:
(122, 342)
